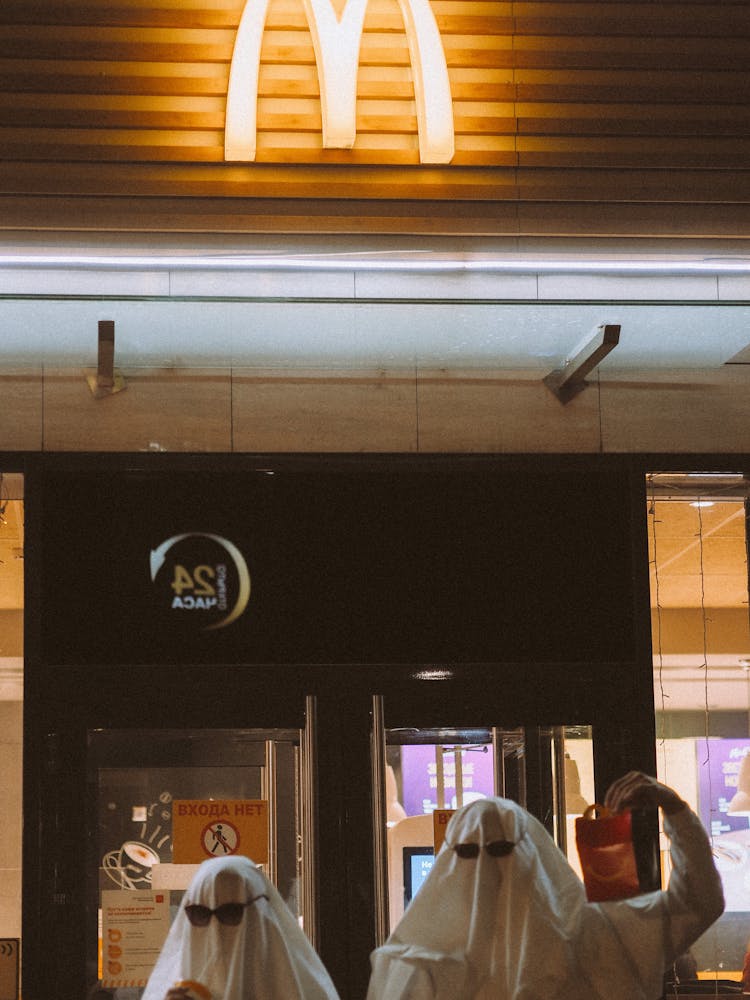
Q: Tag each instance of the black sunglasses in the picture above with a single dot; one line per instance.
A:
(496, 849)
(227, 913)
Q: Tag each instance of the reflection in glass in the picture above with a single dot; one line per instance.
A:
(701, 640)
(134, 886)
(429, 773)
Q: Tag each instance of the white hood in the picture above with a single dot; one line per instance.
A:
(266, 956)
(517, 927)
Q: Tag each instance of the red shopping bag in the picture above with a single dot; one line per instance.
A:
(605, 847)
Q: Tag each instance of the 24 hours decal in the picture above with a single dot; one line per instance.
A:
(201, 577)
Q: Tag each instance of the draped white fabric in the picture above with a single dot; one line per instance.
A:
(518, 926)
(265, 957)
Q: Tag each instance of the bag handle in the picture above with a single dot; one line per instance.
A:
(596, 807)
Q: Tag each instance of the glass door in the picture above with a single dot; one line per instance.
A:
(159, 803)
(422, 776)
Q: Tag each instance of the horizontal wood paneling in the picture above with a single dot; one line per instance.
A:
(617, 84)
(289, 215)
(554, 102)
(588, 185)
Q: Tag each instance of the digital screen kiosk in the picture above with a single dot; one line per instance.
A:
(418, 862)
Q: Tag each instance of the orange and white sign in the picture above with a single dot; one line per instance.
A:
(217, 828)
(440, 818)
(134, 927)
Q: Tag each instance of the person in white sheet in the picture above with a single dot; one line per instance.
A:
(234, 938)
(502, 914)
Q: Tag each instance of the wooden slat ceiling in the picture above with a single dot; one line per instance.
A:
(11, 554)
(553, 102)
(697, 555)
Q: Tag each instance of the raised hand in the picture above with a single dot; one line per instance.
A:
(636, 790)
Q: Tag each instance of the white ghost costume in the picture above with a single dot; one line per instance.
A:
(265, 957)
(519, 927)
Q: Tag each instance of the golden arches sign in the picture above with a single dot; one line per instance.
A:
(337, 42)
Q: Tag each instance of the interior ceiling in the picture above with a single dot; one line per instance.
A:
(11, 555)
(11, 541)
(697, 555)
(699, 597)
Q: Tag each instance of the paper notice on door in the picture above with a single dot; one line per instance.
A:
(134, 927)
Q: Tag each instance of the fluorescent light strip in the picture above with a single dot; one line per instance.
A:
(364, 263)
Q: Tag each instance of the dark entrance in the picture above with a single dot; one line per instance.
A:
(196, 616)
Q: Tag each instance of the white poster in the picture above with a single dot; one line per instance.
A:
(134, 926)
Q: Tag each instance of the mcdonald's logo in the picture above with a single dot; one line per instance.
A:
(336, 42)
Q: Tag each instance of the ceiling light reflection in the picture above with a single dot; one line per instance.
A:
(434, 674)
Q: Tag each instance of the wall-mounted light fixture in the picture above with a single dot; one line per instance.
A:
(570, 378)
(107, 381)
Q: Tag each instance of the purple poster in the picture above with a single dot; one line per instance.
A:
(419, 773)
(724, 806)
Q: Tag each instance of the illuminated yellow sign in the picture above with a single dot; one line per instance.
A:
(337, 41)
(207, 828)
